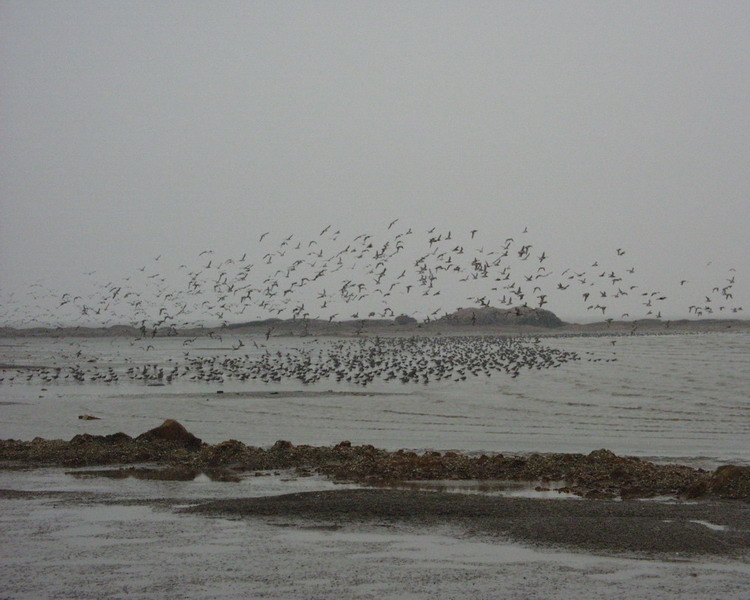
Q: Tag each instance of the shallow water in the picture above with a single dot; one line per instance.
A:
(669, 397)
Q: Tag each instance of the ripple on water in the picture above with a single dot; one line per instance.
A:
(679, 395)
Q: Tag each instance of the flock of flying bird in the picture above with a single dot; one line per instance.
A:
(333, 278)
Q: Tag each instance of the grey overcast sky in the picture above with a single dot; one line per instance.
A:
(137, 129)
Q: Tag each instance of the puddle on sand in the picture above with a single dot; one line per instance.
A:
(489, 487)
(88, 480)
(291, 479)
(712, 526)
(708, 524)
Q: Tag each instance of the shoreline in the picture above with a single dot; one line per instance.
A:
(367, 328)
(177, 454)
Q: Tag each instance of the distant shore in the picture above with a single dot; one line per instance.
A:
(367, 327)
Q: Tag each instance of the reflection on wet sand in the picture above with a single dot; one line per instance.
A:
(505, 488)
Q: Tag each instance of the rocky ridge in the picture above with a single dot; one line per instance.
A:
(178, 454)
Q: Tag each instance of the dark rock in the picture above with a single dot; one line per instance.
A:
(602, 455)
(118, 438)
(83, 438)
(697, 490)
(282, 446)
(731, 481)
(619, 473)
(173, 432)
(231, 451)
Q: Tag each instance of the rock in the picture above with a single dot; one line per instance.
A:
(282, 446)
(602, 455)
(696, 490)
(118, 438)
(731, 481)
(231, 451)
(173, 432)
(84, 438)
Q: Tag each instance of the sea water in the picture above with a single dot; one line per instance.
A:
(683, 397)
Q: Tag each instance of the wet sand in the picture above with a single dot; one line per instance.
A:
(70, 537)
(704, 528)
(140, 542)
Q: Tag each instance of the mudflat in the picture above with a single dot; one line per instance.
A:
(696, 528)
